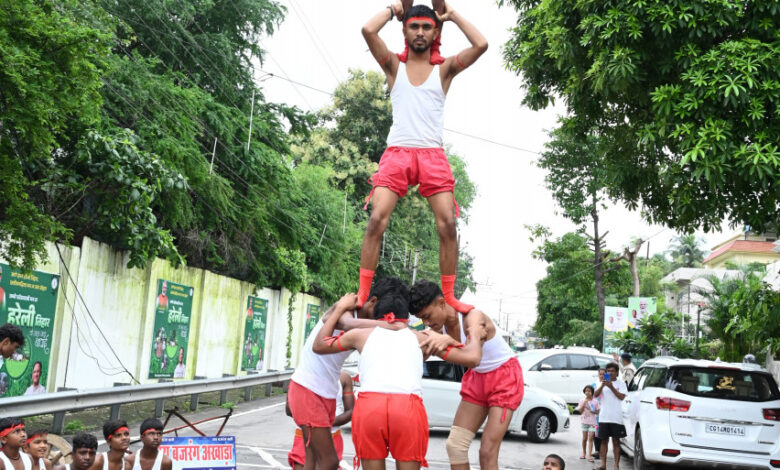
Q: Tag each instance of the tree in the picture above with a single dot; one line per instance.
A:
(686, 252)
(683, 95)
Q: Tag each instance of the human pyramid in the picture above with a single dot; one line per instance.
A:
(388, 415)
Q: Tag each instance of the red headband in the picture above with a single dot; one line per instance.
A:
(123, 428)
(421, 18)
(11, 429)
(390, 318)
(32, 438)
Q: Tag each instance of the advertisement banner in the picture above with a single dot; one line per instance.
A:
(640, 308)
(312, 317)
(172, 312)
(27, 300)
(615, 320)
(254, 333)
(200, 453)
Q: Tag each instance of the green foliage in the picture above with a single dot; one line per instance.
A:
(583, 333)
(686, 251)
(657, 336)
(73, 426)
(683, 95)
(743, 314)
(228, 405)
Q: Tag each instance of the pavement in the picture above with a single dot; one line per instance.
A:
(264, 435)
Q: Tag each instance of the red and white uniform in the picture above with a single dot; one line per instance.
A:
(314, 386)
(497, 380)
(298, 453)
(414, 152)
(389, 412)
(26, 461)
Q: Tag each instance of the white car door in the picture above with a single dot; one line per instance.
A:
(631, 406)
(553, 376)
(582, 371)
(441, 391)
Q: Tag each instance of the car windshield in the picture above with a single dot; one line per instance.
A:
(729, 384)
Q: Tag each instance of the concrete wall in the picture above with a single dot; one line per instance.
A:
(121, 302)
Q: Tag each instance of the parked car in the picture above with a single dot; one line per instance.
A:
(704, 413)
(563, 372)
(540, 414)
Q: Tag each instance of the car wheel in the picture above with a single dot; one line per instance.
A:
(640, 463)
(539, 426)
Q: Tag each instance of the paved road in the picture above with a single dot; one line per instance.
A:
(264, 435)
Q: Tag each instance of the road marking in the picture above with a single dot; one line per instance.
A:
(257, 410)
(267, 457)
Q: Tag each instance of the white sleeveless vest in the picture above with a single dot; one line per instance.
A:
(320, 372)
(495, 351)
(391, 362)
(26, 461)
(418, 112)
(157, 462)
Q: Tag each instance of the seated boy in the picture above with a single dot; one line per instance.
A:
(36, 446)
(12, 439)
(117, 436)
(149, 456)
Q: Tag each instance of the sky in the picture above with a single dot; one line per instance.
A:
(320, 41)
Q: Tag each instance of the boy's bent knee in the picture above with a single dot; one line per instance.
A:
(458, 443)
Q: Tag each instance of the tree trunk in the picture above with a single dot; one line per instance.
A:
(598, 272)
(631, 255)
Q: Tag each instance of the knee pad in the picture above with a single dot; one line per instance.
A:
(458, 444)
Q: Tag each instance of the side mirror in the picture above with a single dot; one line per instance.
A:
(545, 367)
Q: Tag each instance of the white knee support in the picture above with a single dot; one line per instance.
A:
(458, 444)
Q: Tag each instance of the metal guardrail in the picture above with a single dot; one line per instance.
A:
(60, 403)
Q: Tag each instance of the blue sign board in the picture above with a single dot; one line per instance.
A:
(201, 453)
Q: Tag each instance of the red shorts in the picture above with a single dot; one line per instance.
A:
(310, 409)
(401, 167)
(298, 452)
(502, 387)
(382, 421)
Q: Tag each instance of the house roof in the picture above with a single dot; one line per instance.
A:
(742, 246)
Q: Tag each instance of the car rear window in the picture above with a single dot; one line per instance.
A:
(729, 384)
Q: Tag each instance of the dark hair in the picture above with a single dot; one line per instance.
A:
(558, 458)
(110, 427)
(38, 363)
(393, 296)
(37, 432)
(6, 423)
(612, 365)
(589, 387)
(12, 332)
(423, 293)
(151, 423)
(83, 440)
(422, 10)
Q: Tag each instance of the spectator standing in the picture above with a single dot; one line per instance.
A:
(588, 409)
(612, 392)
(596, 440)
(627, 369)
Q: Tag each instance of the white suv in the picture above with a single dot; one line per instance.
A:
(563, 372)
(704, 413)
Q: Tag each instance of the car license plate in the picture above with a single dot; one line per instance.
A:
(727, 429)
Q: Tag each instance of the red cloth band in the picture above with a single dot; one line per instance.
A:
(390, 318)
(449, 348)
(457, 59)
(421, 18)
(123, 428)
(337, 339)
(32, 438)
(8, 431)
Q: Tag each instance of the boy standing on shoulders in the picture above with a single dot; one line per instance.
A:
(418, 79)
(84, 450)
(117, 436)
(491, 389)
(149, 457)
(12, 439)
(612, 392)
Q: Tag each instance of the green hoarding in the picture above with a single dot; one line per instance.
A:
(312, 317)
(172, 313)
(27, 300)
(615, 320)
(639, 308)
(254, 333)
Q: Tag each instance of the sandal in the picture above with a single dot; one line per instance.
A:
(591, 459)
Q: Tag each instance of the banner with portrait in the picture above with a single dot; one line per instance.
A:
(29, 301)
(312, 317)
(639, 308)
(615, 321)
(172, 314)
(254, 333)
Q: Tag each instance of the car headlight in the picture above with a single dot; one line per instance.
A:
(561, 404)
